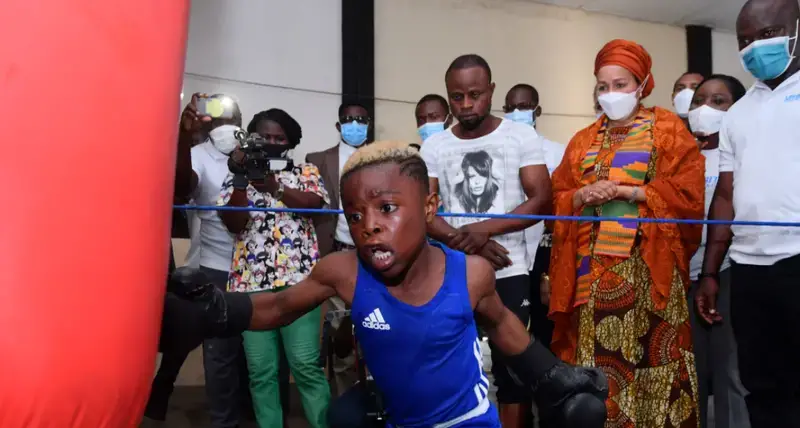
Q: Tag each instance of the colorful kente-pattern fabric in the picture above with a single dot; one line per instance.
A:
(622, 155)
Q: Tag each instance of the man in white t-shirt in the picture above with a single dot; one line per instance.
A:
(488, 165)
(522, 106)
(200, 172)
(333, 234)
(759, 159)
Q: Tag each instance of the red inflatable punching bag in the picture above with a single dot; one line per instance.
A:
(89, 96)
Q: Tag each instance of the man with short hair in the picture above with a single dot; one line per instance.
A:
(433, 115)
(522, 105)
(354, 125)
(759, 155)
(682, 93)
(488, 165)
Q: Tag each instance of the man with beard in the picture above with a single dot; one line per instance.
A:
(486, 164)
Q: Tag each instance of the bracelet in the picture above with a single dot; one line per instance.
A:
(545, 277)
(714, 275)
(634, 194)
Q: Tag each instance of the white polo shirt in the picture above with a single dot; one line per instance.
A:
(216, 243)
(553, 153)
(760, 143)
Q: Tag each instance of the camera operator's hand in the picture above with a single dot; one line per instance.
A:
(268, 185)
(190, 120)
(236, 161)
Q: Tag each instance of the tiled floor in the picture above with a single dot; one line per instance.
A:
(189, 409)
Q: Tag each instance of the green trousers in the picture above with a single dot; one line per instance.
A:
(301, 343)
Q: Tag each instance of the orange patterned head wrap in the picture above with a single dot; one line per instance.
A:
(630, 56)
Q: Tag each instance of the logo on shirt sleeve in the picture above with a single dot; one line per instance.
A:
(375, 321)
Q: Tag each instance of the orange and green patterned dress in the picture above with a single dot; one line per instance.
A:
(619, 287)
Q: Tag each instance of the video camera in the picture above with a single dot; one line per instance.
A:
(261, 156)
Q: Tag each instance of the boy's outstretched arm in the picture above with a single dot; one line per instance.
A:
(226, 314)
(569, 397)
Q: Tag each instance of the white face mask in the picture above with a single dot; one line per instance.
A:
(618, 105)
(682, 101)
(705, 120)
(223, 138)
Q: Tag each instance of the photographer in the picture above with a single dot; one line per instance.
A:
(199, 173)
(274, 251)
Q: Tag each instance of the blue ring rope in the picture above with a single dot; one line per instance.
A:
(507, 216)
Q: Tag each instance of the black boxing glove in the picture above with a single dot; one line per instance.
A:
(222, 314)
(566, 396)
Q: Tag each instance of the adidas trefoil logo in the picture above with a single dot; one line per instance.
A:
(375, 321)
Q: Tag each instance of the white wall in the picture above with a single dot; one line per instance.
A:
(549, 47)
(271, 53)
(725, 52)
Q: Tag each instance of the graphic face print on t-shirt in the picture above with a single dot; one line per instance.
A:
(474, 180)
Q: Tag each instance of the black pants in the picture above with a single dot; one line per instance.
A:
(352, 409)
(515, 293)
(540, 326)
(765, 310)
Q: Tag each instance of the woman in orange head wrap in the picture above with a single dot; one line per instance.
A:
(618, 288)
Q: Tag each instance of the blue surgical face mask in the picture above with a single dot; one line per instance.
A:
(354, 133)
(769, 58)
(522, 116)
(430, 128)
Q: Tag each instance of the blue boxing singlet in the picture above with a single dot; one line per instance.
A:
(425, 360)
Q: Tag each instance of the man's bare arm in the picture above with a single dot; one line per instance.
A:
(719, 235)
(536, 184)
(273, 310)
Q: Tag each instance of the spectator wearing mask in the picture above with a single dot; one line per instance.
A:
(759, 150)
(618, 288)
(354, 126)
(714, 345)
(273, 251)
(682, 93)
(200, 172)
(522, 106)
(487, 164)
(432, 115)
(598, 110)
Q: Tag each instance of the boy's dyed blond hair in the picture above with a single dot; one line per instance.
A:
(381, 152)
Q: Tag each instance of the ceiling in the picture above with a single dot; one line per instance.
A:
(717, 14)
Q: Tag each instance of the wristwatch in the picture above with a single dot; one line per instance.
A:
(708, 275)
(279, 193)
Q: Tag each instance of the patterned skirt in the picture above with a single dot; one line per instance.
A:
(646, 354)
